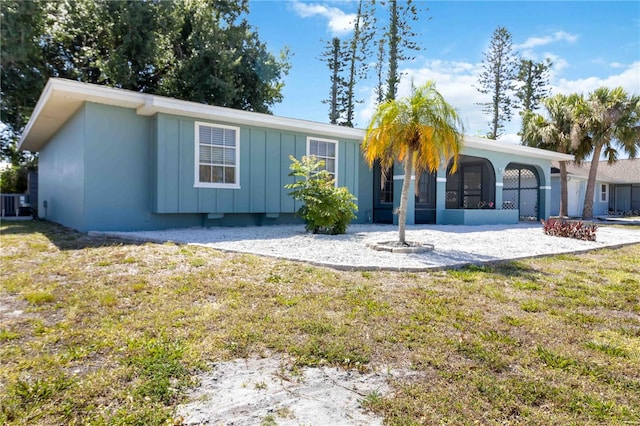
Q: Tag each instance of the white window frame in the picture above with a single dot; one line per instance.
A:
(605, 193)
(335, 159)
(197, 183)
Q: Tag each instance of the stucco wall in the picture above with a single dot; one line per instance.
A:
(61, 174)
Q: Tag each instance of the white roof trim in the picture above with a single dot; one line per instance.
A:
(509, 148)
(61, 98)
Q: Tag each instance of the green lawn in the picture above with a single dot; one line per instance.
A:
(94, 331)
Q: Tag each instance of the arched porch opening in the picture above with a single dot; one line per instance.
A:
(521, 191)
(472, 186)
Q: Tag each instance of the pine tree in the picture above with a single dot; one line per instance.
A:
(499, 66)
(400, 39)
(358, 55)
(533, 88)
(333, 55)
(379, 90)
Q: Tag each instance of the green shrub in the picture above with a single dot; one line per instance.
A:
(327, 209)
(571, 229)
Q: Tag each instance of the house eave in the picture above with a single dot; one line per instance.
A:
(508, 148)
(61, 98)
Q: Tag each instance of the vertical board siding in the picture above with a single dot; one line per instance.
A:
(168, 174)
(258, 167)
(242, 196)
(264, 169)
(189, 196)
(272, 172)
(287, 148)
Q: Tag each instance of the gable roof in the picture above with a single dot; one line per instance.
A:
(61, 98)
(622, 171)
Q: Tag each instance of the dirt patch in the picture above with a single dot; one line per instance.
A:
(269, 391)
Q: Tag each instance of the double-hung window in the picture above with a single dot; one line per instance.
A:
(327, 151)
(217, 158)
(604, 193)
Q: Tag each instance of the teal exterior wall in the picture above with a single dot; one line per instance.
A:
(499, 161)
(61, 175)
(554, 209)
(110, 169)
(264, 169)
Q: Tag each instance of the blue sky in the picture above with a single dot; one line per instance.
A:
(591, 44)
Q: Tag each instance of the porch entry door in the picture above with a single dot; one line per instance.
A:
(425, 209)
(521, 190)
(382, 195)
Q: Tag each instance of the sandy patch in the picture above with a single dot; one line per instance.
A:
(256, 390)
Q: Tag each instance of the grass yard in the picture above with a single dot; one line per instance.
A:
(94, 331)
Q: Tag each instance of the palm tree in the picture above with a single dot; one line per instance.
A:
(610, 119)
(421, 131)
(556, 133)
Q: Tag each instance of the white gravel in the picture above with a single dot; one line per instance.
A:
(454, 245)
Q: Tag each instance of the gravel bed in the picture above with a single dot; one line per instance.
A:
(454, 245)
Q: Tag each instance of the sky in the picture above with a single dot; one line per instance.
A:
(591, 44)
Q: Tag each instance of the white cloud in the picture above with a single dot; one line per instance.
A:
(629, 79)
(532, 42)
(339, 22)
(456, 81)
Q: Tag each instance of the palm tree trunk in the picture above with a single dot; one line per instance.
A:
(587, 211)
(564, 193)
(404, 197)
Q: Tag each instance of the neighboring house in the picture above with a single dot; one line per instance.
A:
(617, 188)
(112, 159)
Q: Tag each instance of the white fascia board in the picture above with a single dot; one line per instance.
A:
(46, 121)
(42, 101)
(493, 145)
(158, 104)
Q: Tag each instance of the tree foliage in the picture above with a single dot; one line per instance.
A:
(334, 56)
(533, 79)
(326, 208)
(609, 121)
(555, 132)
(400, 39)
(533, 86)
(348, 62)
(499, 67)
(198, 50)
(421, 131)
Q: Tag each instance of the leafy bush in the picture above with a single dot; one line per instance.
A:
(571, 229)
(327, 209)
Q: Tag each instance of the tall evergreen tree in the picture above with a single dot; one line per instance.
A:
(379, 90)
(400, 40)
(533, 86)
(358, 56)
(499, 67)
(333, 55)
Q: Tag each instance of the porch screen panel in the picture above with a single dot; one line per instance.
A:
(520, 192)
(510, 189)
(472, 187)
